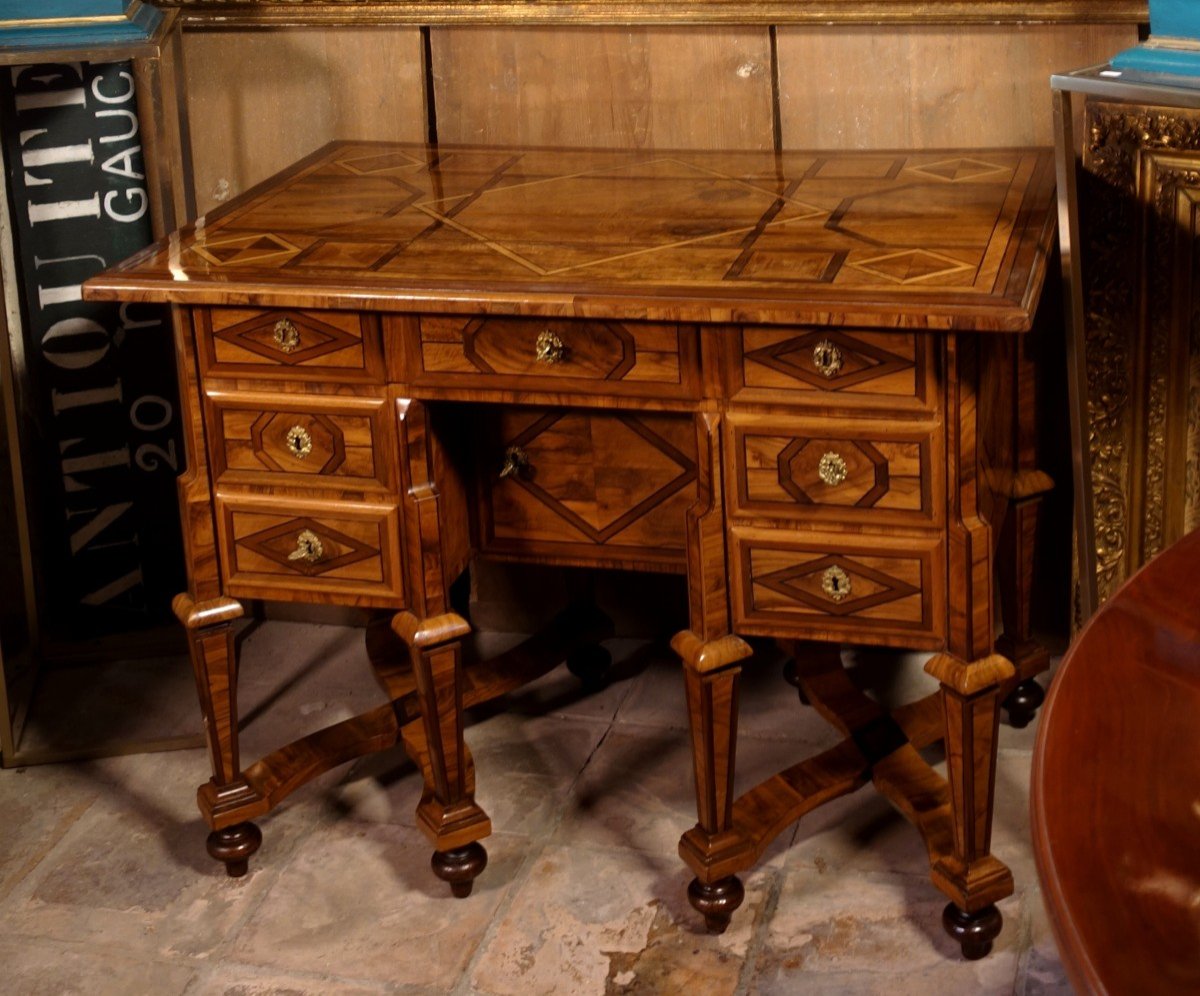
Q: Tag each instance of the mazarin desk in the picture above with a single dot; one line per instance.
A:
(800, 379)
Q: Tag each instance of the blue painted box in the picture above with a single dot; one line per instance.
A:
(29, 25)
(1174, 44)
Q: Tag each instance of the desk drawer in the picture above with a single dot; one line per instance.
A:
(834, 367)
(573, 486)
(826, 586)
(864, 471)
(297, 550)
(291, 440)
(339, 346)
(558, 355)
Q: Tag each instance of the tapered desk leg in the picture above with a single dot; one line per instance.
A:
(214, 660)
(1015, 566)
(447, 813)
(972, 878)
(712, 848)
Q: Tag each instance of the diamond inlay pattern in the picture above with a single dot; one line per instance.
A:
(279, 543)
(861, 361)
(316, 338)
(869, 587)
(612, 480)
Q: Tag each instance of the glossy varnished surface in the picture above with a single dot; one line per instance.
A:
(1116, 788)
(939, 239)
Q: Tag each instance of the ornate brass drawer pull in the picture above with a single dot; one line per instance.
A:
(549, 348)
(298, 442)
(827, 358)
(286, 335)
(308, 547)
(832, 469)
(515, 461)
(835, 583)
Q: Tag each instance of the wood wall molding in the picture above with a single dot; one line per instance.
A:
(233, 13)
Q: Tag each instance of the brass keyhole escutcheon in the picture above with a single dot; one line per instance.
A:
(835, 583)
(298, 442)
(308, 547)
(832, 469)
(515, 461)
(827, 358)
(286, 335)
(549, 348)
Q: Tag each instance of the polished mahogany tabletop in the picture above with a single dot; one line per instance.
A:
(1116, 787)
(959, 238)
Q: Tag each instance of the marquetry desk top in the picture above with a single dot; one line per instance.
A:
(947, 239)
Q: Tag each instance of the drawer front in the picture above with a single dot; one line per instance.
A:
(310, 551)
(590, 357)
(824, 586)
(298, 441)
(583, 487)
(835, 367)
(848, 470)
(291, 344)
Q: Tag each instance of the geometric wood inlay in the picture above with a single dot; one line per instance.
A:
(861, 361)
(269, 436)
(316, 337)
(641, 464)
(603, 350)
(869, 587)
(866, 470)
(279, 542)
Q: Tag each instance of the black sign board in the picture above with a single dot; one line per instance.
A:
(96, 388)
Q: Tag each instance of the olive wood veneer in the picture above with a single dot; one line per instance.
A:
(803, 380)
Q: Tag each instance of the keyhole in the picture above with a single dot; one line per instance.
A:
(835, 583)
(826, 358)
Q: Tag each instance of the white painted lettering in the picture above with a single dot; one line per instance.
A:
(62, 210)
(133, 126)
(119, 98)
(135, 195)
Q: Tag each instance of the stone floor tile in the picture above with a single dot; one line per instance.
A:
(560, 693)
(295, 678)
(638, 790)
(869, 933)
(524, 769)
(593, 921)
(1042, 971)
(768, 706)
(39, 806)
(133, 872)
(232, 979)
(140, 701)
(359, 901)
(858, 833)
(36, 968)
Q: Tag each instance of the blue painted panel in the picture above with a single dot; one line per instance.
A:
(1175, 18)
(1172, 61)
(97, 23)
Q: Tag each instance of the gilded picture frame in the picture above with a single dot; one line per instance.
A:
(282, 13)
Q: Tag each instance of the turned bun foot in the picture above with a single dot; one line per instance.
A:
(974, 931)
(716, 901)
(234, 845)
(591, 664)
(1022, 703)
(459, 867)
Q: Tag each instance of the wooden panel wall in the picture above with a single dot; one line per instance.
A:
(259, 100)
(931, 85)
(639, 87)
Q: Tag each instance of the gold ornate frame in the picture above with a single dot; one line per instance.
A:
(281, 13)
